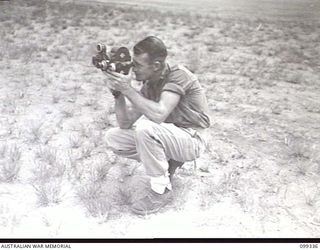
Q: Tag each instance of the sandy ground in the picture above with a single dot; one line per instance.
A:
(258, 178)
(253, 9)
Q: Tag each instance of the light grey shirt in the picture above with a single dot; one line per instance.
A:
(192, 109)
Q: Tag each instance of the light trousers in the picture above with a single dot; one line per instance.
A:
(154, 145)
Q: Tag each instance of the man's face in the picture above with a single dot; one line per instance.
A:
(142, 67)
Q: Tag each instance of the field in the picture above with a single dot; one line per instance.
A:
(259, 177)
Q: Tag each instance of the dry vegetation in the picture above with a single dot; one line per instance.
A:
(258, 178)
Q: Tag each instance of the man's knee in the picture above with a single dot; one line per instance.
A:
(147, 131)
(144, 128)
(112, 136)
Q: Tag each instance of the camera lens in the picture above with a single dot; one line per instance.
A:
(101, 47)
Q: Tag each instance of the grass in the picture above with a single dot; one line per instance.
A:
(67, 111)
(55, 98)
(97, 138)
(10, 163)
(47, 154)
(48, 177)
(9, 106)
(49, 192)
(93, 191)
(312, 198)
(75, 141)
(94, 200)
(92, 102)
(86, 152)
(35, 131)
(103, 120)
(259, 75)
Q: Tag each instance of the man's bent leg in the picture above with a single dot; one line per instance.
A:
(158, 143)
(122, 142)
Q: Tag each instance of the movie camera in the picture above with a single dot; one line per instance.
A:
(117, 60)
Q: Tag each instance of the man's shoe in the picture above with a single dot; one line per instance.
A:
(152, 202)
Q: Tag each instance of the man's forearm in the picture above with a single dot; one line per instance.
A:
(121, 111)
(125, 114)
(151, 109)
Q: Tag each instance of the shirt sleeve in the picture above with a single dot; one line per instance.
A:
(174, 87)
(179, 81)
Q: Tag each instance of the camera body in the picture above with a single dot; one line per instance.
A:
(117, 60)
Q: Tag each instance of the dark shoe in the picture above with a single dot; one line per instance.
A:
(173, 165)
(151, 203)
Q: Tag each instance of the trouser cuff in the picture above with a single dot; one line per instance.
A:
(160, 183)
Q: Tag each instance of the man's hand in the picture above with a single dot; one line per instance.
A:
(118, 82)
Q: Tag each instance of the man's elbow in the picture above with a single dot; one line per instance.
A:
(159, 117)
(156, 120)
(125, 125)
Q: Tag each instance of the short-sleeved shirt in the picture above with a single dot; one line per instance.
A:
(192, 109)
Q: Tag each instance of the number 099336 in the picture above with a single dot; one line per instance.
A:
(309, 246)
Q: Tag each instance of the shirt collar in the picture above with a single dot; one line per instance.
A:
(165, 72)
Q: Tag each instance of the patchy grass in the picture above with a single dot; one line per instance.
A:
(9, 163)
(260, 77)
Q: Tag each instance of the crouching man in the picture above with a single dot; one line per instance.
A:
(164, 126)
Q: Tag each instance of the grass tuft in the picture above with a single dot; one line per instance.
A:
(48, 177)
(9, 163)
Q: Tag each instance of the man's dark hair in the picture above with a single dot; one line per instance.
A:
(153, 46)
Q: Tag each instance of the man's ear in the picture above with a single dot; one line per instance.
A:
(157, 65)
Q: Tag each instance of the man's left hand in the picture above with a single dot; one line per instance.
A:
(119, 82)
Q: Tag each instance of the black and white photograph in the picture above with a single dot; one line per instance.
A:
(159, 119)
